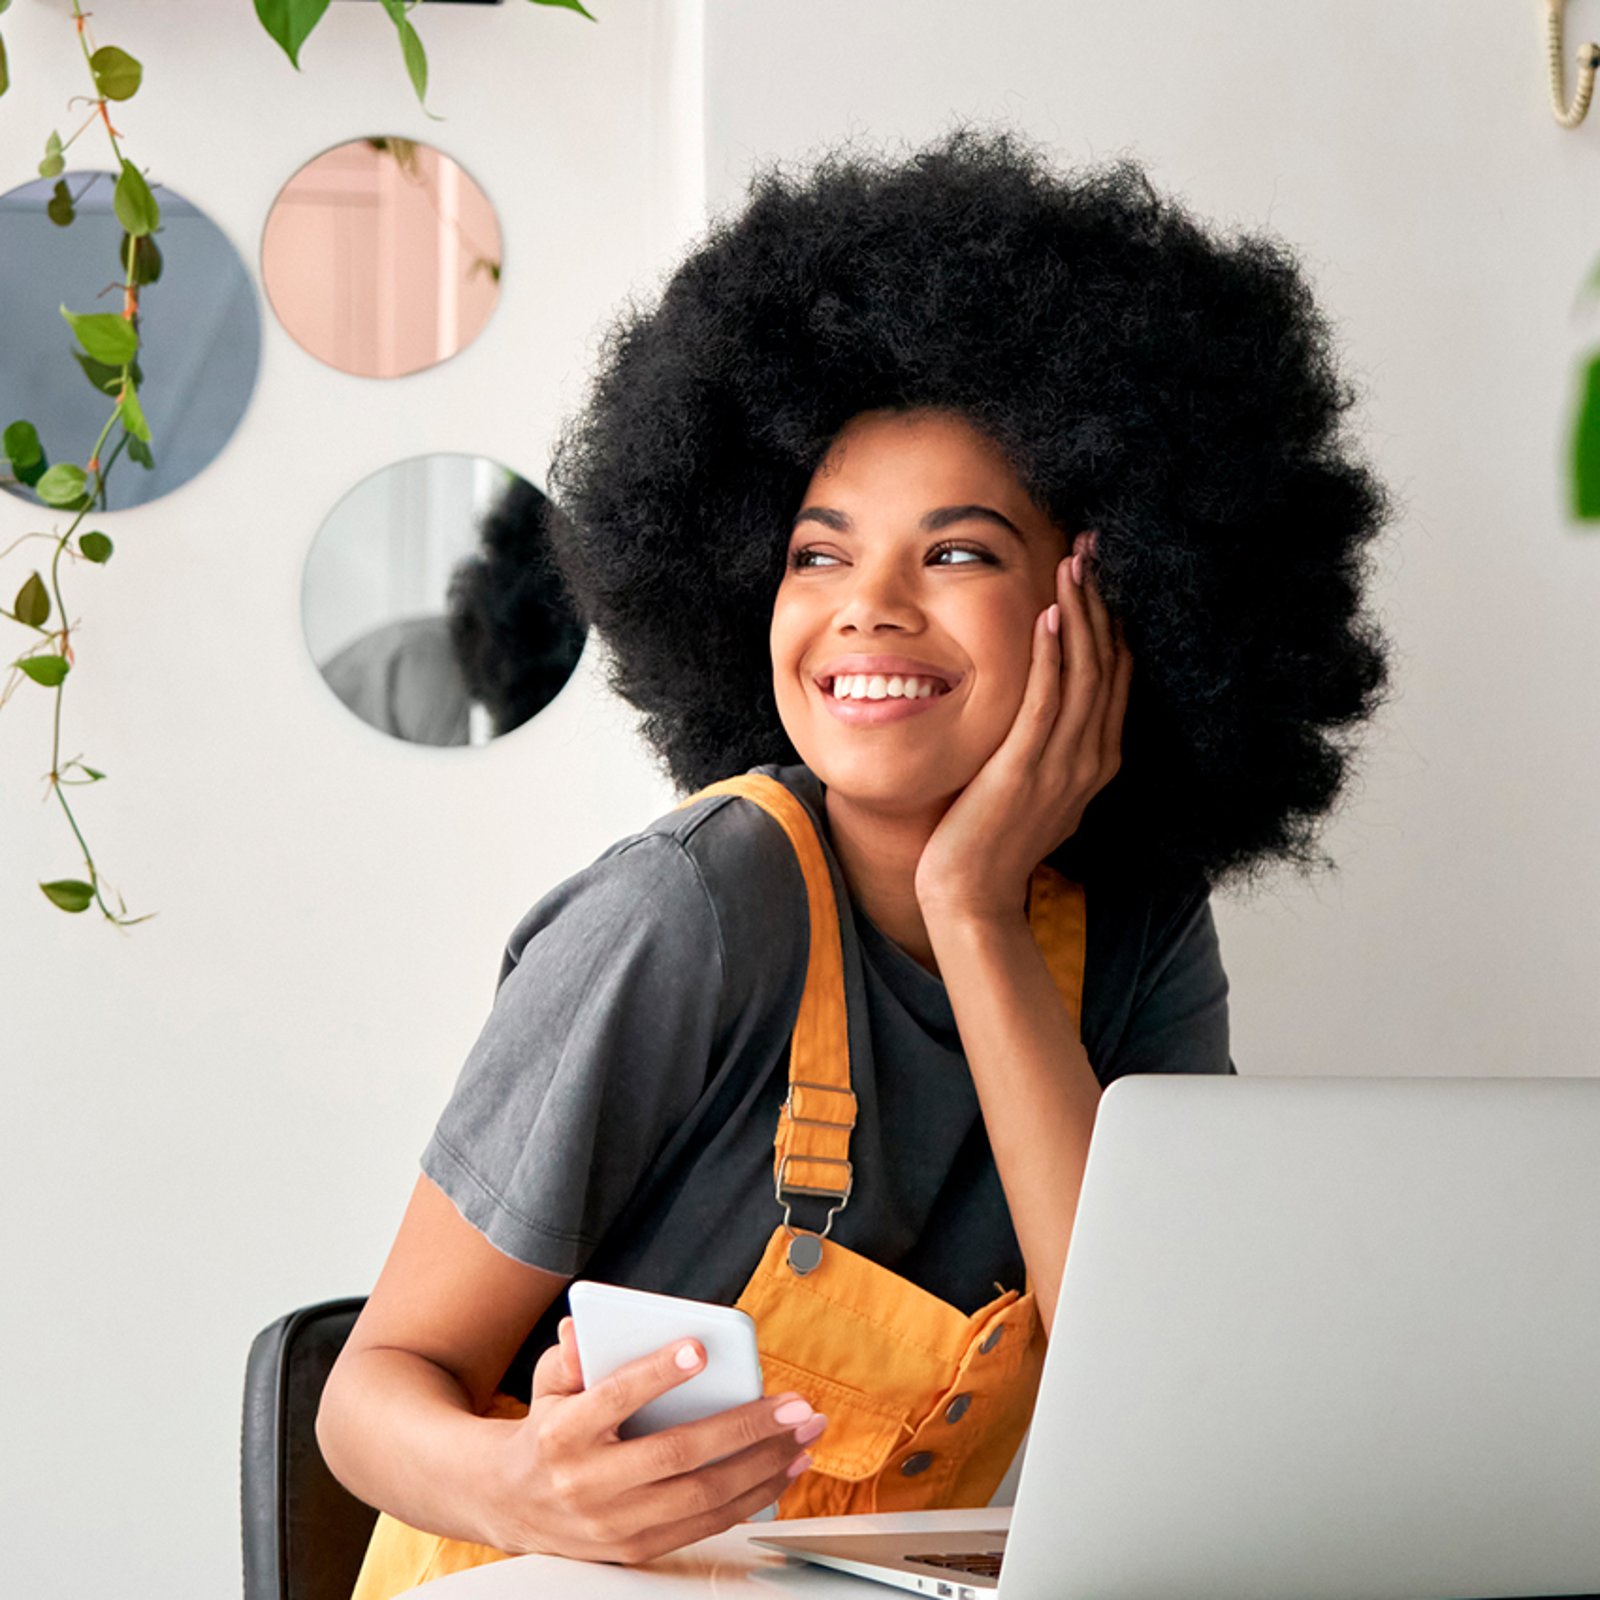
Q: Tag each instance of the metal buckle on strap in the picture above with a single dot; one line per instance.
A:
(819, 1122)
(782, 1186)
(780, 1189)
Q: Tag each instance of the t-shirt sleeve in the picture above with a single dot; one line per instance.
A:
(598, 1044)
(1179, 1016)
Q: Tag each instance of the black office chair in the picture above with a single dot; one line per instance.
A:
(304, 1533)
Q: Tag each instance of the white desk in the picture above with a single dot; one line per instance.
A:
(726, 1565)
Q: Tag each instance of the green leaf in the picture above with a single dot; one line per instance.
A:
(63, 485)
(54, 163)
(48, 670)
(411, 48)
(133, 414)
(59, 210)
(1585, 485)
(5, 69)
(107, 379)
(25, 453)
(139, 451)
(146, 258)
(290, 22)
(135, 206)
(22, 447)
(570, 5)
(32, 605)
(106, 337)
(116, 73)
(96, 547)
(90, 773)
(71, 894)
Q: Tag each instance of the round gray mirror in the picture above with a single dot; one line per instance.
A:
(382, 257)
(432, 606)
(199, 333)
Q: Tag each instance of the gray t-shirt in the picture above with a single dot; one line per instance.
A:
(615, 1117)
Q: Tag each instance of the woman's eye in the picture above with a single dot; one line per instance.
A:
(810, 556)
(959, 555)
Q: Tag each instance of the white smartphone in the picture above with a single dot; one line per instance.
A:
(616, 1325)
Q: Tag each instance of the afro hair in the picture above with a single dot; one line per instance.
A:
(513, 625)
(1176, 390)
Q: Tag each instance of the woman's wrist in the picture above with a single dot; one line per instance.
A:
(964, 920)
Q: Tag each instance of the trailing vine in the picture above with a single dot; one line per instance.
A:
(108, 348)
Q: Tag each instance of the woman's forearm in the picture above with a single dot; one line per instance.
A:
(1035, 1086)
(400, 1433)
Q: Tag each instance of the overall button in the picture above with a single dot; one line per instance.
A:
(993, 1339)
(957, 1408)
(920, 1462)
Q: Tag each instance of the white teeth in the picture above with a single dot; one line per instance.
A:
(877, 686)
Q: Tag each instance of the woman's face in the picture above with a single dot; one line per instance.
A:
(902, 630)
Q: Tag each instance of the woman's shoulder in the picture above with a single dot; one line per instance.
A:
(714, 863)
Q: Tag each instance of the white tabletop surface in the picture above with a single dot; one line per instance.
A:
(727, 1564)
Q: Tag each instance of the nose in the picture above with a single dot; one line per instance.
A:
(880, 599)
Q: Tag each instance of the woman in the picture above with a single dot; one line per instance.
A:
(996, 527)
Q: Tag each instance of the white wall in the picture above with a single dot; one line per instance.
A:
(1409, 153)
(216, 1117)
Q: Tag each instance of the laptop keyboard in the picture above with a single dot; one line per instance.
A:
(980, 1563)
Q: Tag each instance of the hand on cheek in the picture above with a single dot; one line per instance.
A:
(1064, 746)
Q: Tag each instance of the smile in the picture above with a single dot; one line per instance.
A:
(869, 699)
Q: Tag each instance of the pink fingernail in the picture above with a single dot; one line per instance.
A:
(807, 1431)
(687, 1357)
(798, 1465)
(1077, 569)
(791, 1412)
(1052, 619)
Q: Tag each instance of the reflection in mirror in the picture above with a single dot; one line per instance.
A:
(199, 330)
(432, 605)
(382, 257)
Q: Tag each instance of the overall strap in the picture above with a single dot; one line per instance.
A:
(811, 1154)
(1059, 921)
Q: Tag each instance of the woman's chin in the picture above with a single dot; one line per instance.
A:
(895, 790)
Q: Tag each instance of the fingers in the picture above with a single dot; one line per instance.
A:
(1092, 651)
(778, 1424)
(637, 1498)
(567, 1335)
(717, 1484)
(1041, 695)
(556, 1371)
(606, 1405)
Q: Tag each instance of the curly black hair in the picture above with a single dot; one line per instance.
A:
(1175, 389)
(513, 625)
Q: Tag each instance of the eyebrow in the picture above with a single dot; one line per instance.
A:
(931, 522)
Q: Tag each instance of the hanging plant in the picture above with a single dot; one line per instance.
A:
(107, 351)
(291, 22)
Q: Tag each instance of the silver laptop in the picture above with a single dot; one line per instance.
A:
(1318, 1339)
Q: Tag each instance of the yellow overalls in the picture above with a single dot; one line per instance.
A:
(926, 1405)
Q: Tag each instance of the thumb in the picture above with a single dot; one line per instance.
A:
(557, 1371)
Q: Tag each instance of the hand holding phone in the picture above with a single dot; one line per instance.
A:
(572, 1483)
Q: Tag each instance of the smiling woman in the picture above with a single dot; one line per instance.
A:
(978, 543)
